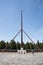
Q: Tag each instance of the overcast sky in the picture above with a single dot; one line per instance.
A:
(10, 18)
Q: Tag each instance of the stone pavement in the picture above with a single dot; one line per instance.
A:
(21, 59)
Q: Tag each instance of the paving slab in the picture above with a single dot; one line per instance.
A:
(11, 58)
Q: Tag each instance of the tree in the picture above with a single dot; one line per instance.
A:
(12, 44)
(24, 46)
(38, 44)
(7, 45)
(27, 45)
(41, 45)
(18, 45)
(31, 46)
(2, 44)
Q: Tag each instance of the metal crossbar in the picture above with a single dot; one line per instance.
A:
(15, 35)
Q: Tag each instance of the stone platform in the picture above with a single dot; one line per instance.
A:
(21, 59)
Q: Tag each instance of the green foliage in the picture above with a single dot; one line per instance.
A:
(2, 44)
(13, 45)
(7, 45)
(24, 46)
(18, 45)
(27, 45)
(31, 46)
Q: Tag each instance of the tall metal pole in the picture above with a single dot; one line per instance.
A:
(21, 30)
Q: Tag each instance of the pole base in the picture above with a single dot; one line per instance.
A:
(21, 51)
